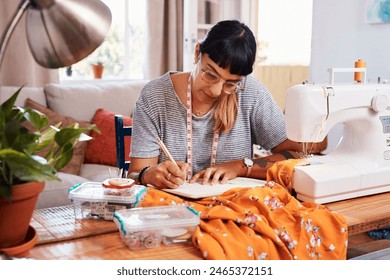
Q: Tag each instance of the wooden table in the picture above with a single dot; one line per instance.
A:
(364, 213)
(60, 236)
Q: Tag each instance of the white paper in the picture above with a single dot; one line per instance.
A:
(197, 190)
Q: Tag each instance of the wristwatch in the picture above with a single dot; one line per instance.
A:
(248, 163)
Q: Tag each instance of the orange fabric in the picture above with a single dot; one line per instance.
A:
(282, 171)
(102, 148)
(263, 222)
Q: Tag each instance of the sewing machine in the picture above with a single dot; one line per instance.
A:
(360, 164)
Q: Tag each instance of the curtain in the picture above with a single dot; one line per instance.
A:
(19, 67)
(164, 42)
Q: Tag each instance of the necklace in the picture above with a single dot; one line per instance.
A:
(196, 111)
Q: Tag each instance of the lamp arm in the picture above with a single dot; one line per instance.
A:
(11, 27)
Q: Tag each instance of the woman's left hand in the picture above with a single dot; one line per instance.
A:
(220, 173)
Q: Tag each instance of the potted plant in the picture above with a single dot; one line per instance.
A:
(97, 70)
(22, 172)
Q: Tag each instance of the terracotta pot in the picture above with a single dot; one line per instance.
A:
(15, 216)
(97, 70)
(21, 250)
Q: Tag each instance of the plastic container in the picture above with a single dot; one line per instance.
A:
(150, 226)
(92, 201)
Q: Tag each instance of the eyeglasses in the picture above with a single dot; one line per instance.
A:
(228, 87)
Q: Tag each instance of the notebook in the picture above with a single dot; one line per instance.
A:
(197, 190)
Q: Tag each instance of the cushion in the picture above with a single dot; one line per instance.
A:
(97, 172)
(82, 100)
(56, 192)
(35, 93)
(102, 149)
(73, 167)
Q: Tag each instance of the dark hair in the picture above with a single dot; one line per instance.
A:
(232, 44)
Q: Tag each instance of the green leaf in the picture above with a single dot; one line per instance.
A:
(25, 167)
(7, 106)
(65, 157)
(46, 138)
(36, 118)
(68, 135)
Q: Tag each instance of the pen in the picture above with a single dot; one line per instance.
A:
(165, 150)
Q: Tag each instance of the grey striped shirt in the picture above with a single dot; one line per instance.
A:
(160, 113)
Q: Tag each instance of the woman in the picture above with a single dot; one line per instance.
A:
(208, 119)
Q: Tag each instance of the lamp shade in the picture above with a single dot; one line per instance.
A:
(63, 32)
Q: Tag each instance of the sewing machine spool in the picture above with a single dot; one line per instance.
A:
(358, 77)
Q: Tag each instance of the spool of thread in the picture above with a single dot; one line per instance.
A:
(359, 75)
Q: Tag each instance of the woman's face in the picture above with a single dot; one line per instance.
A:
(213, 81)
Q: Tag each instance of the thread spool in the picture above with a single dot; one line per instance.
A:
(358, 77)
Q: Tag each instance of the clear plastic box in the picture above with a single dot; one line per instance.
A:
(92, 201)
(150, 226)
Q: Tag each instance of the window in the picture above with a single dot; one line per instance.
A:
(284, 32)
(122, 53)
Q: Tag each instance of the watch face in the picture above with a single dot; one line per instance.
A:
(248, 162)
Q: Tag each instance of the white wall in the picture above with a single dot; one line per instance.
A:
(341, 36)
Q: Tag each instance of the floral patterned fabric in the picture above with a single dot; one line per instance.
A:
(263, 222)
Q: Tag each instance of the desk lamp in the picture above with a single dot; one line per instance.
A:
(60, 32)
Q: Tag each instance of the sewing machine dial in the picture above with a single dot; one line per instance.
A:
(379, 103)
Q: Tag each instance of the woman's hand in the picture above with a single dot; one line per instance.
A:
(220, 173)
(166, 175)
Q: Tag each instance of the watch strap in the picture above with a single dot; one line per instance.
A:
(249, 170)
(248, 166)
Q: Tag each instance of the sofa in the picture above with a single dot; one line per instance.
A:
(92, 102)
